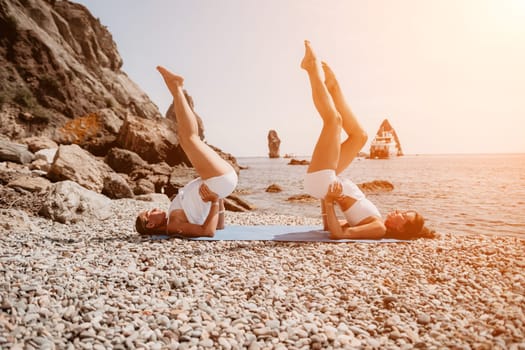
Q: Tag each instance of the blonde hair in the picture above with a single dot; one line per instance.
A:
(140, 225)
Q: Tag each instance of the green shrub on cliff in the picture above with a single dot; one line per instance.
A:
(48, 82)
(24, 98)
(42, 115)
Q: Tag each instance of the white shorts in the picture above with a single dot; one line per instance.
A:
(316, 184)
(223, 185)
(190, 200)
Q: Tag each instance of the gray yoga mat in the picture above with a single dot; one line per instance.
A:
(278, 233)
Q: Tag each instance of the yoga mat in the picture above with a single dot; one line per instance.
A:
(280, 233)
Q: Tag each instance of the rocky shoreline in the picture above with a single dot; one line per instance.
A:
(97, 285)
(83, 145)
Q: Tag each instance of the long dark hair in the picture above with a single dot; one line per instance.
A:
(413, 229)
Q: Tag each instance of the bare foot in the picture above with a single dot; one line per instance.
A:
(329, 77)
(309, 60)
(173, 81)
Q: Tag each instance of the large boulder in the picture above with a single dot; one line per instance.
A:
(43, 159)
(68, 202)
(150, 178)
(15, 152)
(47, 154)
(376, 186)
(37, 143)
(153, 140)
(75, 164)
(294, 161)
(30, 183)
(237, 204)
(144, 186)
(95, 132)
(116, 187)
(124, 161)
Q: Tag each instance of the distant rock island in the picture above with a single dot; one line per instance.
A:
(385, 143)
(274, 142)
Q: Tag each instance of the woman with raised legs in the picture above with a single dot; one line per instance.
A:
(198, 208)
(331, 157)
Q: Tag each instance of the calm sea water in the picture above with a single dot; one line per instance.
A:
(455, 193)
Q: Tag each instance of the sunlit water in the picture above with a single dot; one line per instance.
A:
(456, 193)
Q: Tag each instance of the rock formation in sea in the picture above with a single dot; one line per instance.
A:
(385, 143)
(294, 161)
(68, 112)
(274, 142)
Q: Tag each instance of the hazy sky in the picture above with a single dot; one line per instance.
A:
(448, 74)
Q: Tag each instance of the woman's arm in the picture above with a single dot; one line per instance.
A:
(323, 215)
(370, 228)
(220, 221)
(332, 222)
(207, 229)
(335, 190)
(373, 228)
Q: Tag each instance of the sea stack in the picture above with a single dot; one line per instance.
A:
(273, 144)
(386, 143)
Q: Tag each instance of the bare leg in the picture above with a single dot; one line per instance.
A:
(204, 159)
(356, 135)
(326, 151)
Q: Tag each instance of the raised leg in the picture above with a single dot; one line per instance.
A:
(326, 151)
(204, 159)
(357, 136)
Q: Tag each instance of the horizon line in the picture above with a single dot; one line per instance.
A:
(292, 155)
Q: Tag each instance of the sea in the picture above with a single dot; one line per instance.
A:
(458, 194)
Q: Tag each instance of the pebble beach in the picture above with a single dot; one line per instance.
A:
(99, 285)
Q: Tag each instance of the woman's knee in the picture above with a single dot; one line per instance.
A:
(360, 137)
(188, 139)
(332, 118)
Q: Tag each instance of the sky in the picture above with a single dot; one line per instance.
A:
(449, 75)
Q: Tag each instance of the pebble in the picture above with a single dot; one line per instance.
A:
(102, 285)
(423, 319)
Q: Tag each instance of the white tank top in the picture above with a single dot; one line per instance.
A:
(190, 201)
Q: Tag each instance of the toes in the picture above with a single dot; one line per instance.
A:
(163, 70)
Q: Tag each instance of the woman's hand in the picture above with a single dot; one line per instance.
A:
(207, 195)
(335, 191)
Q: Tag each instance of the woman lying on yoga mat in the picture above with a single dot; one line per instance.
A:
(330, 158)
(198, 208)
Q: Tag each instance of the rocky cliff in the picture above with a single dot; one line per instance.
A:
(69, 113)
(57, 62)
(61, 77)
